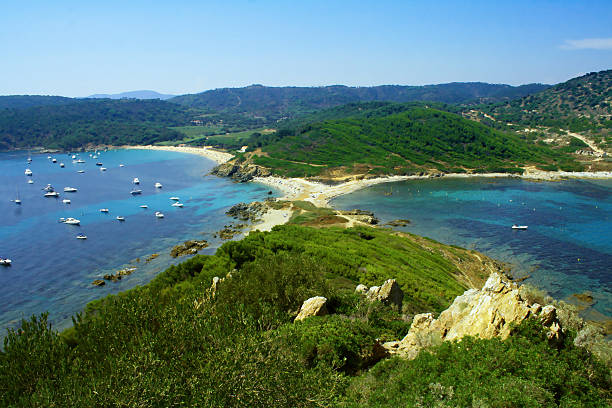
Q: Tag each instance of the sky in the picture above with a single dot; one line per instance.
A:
(79, 48)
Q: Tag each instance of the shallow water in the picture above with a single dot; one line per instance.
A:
(566, 250)
(53, 271)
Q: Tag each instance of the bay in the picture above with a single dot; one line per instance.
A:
(566, 250)
(53, 271)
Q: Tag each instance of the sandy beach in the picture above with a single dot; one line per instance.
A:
(206, 151)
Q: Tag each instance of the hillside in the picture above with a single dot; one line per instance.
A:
(276, 102)
(179, 341)
(28, 101)
(398, 139)
(581, 105)
(91, 121)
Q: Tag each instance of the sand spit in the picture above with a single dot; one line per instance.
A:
(206, 151)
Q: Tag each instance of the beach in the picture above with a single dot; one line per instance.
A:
(206, 151)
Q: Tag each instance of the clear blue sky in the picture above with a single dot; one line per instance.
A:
(77, 48)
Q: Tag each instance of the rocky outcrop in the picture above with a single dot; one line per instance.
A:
(98, 282)
(398, 223)
(240, 172)
(389, 293)
(190, 247)
(490, 312)
(366, 217)
(315, 306)
(248, 212)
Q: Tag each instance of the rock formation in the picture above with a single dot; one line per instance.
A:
(389, 293)
(240, 172)
(486, 313)
(315, 306)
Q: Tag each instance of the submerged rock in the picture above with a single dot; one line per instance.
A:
(315, 306)
(98, 282)
(188, 248)
(490, 312)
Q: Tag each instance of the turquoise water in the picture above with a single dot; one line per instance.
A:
(53, 271)
(567, 248)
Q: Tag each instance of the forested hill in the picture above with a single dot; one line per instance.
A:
(92, 121)
(276, 102)
(28, 101)
(582, 104)
(400, 139)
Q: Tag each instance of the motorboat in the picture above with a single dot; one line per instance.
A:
(519, 227)
(49, 157)
(98, 163)
(28, 172)
(158, 185)
(177, 204)
(103, 210)
(74, 156)
(159, 214)
(70, 190)
(120, 218)
(175, 198)
(80, 161)
(66, 201)
(95, 156)
(81, 171)
(16, 201)
(30, 181)
(51, 194)
(135, 192)
(48, 187)
(122, 165)
(54, 160)
(144, 206)
(81, 236)
(102, 168)
(136, 181)
(61, 164)
(72, 221)
(5, 261)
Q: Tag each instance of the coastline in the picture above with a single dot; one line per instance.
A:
(206, 151)
(321, 194)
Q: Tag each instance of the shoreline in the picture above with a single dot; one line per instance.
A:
(321, 194)
(206, 151)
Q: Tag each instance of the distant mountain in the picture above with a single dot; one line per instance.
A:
(275, 102)
(92, 121)
(28, 101)
(134, 95)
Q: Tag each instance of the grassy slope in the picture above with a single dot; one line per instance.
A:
(167, 344)
(383, 141)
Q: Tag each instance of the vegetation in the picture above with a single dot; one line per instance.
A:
(272, 103)
(86, 121)
(174, 343)
(581, 105)
(28, 101)
(383, 138)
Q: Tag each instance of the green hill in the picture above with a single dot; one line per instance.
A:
(399, 139)
(582, 105)
(173, 343)
(93, 121)
(276, 102)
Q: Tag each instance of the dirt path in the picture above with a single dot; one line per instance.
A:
(589, 142)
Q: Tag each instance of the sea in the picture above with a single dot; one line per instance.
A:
(52, 271)
(566, 250)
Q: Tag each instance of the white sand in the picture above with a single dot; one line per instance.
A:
(271, 218)
(206, 151)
